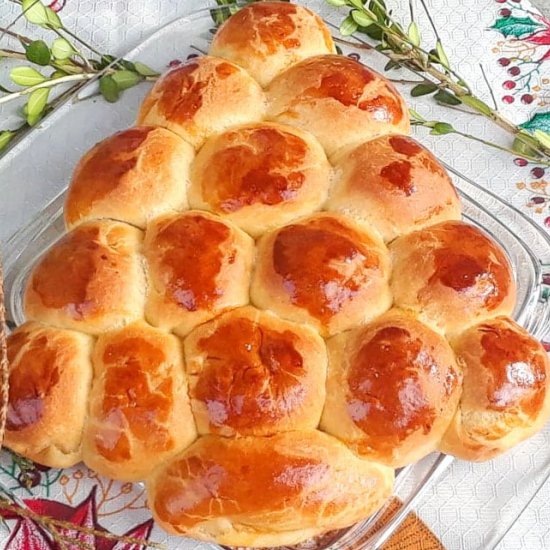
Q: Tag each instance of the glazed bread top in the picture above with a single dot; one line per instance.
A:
(267, 300)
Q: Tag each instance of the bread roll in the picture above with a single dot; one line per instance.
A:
(204, 96)
(395, 185)
(50, 378)
(251, 373)
(132, 176)
(90, 280)
(323, 270)
(268, 37)
(506, 396)
(266, 491)
(392, 390)
(260, 176)
(451, 275)
(339, 100)
(139, 411)
(199, 265)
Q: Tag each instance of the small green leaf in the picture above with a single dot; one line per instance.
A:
(53, 19)
(62, 49)
(144, 70)
(35, 12)
(58, 73)
(338, 49)
(36, 105)
(361, 19)
(109, 89)
(423, 89)
(442, 128)
(26, 76)
(542, 137)
(336, 3)
(38, 52)
(348, 26)
(356, 3)
(5, 138)
(37, 101)
(414, 33)
(441, 55)
(516, 26)
(445, 97)
(476, 104)
(391, 65)
(106, 60)
(525, 144)
(126, 79)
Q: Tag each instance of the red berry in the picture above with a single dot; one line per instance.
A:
(538, 200)
(508, 99)
(514, 71)
(504, 61)
(547, 221)
(505, 12)
(501, 1)
(537, 172)
(174, 63)
(527, 98)
(509, 85)
(520, 162)
(516, 1)
(546, 346)
(546, 278)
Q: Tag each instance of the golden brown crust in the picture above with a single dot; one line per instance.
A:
(395, 185)
(266, 491)
(139, 408)
(90, 280)
(393, 388)
(260, 176)
(451, 275)
(251, 373)
(506, 396)
(324, 270)
(339, 100)
(204, 96)
(50, 379)
(268, 37)
(199, 265)
(131, 176)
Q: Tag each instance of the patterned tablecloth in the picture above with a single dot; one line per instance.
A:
(510, 40)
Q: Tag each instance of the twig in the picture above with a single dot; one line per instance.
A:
(12, 54)
(47, 84)
(489, 87)
(432, 24)
(48, 522)
(19, 37)
(4, 366)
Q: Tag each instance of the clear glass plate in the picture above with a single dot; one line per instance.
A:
(35, 191)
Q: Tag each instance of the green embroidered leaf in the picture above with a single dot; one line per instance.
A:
(515, 26)
(543, 137)
(38, 52)
(336, 3)
(540, 121)
(423, 89)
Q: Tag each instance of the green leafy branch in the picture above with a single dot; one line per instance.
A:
(59, 69)
(403, 47)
